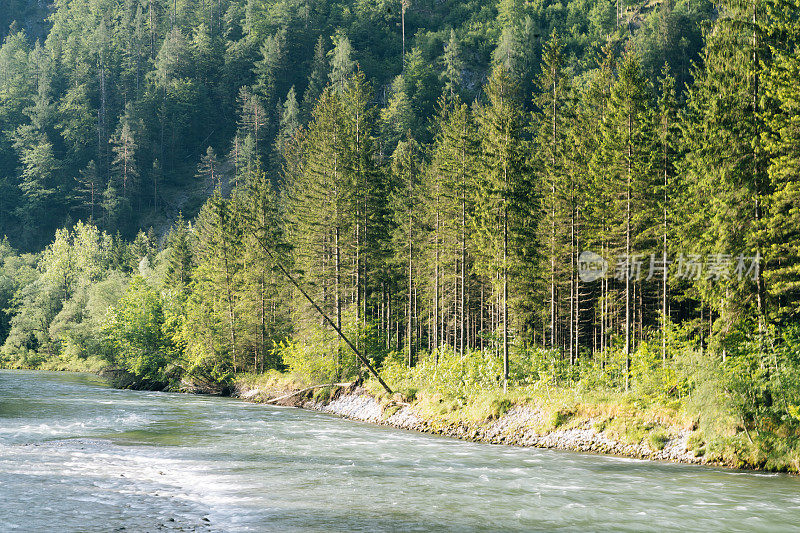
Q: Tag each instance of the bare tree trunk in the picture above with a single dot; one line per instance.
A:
(571, 278)
(664, 314)
(231, 310)
(628, 258)
(337, 291)
(437, 326)
(577, 284)
(505, 293)
(263, 348)
(463, 269)
(410, 290)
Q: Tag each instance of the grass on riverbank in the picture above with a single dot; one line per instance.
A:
(92, 365)
(466, 392)
(664, 401)
(681, 399)
(621, 416)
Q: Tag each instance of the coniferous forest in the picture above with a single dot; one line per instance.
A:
(492, 200)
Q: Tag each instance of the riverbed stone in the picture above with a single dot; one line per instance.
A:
(515, 427)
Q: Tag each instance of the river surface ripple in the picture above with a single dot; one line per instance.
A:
(76, 455)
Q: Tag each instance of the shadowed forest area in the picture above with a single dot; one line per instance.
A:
(499, 201)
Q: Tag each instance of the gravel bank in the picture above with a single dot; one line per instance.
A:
(515, 428)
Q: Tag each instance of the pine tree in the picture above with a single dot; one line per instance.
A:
(453, 66)
(588, 132)
(341, 63)
(421, 87)
(667, 128)
(247, 150)
(783, 145)
(116, 208)
(180, 243)
(505, 213)
(510, 12)
(76, 121)
(263, 291)
(124, 165)
(317, 226)
(89, 180)
(269, 70)
(289, 123)
(628, 146)
(725, 170)
(38, 181)
(405, 206)
(218, 275)
(206, 53)
(317, 80)
(366, 198)
(208, 169)
(397, 118)
(451, 186)
(554, 110)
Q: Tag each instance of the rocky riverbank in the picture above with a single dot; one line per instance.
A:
(519, 426)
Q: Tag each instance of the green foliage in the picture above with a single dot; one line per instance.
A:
(304, 361)
(137, 336)
(444, 248)
(452, 376)
(658, 438)
(562, 416)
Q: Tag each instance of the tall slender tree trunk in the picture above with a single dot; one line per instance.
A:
(338, 291)
(756, 171)
(436, 319)
(664, 314)
(231, 307)
(410, 282)
(553, 266)
(577, 284)
(505, 286)
(462, 319)
(628, 258)
(571, 279)
(263, 332)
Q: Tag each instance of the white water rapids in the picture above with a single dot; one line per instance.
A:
(76, 455)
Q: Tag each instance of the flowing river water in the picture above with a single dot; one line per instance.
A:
(76, 455)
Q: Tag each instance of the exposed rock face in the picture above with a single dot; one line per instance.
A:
(355, 406)
(515, 428)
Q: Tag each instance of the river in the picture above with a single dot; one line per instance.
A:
(76, 455)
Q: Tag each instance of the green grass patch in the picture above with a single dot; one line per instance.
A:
(562, 416)
(323, 394)
(658, 438)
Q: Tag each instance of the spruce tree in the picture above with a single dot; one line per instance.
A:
(725, 170)
(406, 210)
(269, 70)
(341, 62)
(505, 213)
(289, 123)
(124, 165)
(782, 142)
(453, 66)
(628, 146)
(208, 171)
(451, 179)
(317, 79)
(553, 118)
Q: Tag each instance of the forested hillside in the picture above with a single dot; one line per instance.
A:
(591, 195)
(109, 107)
